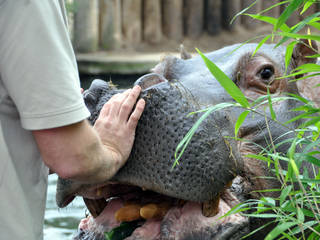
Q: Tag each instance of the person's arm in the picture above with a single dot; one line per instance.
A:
(87, 154)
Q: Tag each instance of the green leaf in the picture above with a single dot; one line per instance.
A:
(279, 229)
(287, 13)
(270, 20)
(306, 6)
(239, 122)
(243, 11)
(260, 44)
(284, 193)
(187, 138)
(273, 6)
(288, 55)
(300, 215)
(225, 82)
(123, 231)
(259, 157)
(273, 114)
(300, 36)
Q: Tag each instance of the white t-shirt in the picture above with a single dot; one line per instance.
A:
(39, 89)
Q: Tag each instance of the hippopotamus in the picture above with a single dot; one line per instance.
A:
(213, 174)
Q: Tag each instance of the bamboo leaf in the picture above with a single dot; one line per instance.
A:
(287, 13)
(270, 20)
(225, 82)
(243, 11)
(284, 193)
(288, 55)
(273, 114)
(260, 44)
(239, 122)
(300, 36)
(279, 229)
(306, 6)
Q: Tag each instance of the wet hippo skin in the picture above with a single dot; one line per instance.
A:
(214, 174)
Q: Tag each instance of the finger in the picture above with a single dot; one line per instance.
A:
(105, 109)
(81, 90)
(117, 102)
(104, 112)
(128, 104)
(135, 116)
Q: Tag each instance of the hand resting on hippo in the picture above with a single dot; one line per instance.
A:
(213, 175)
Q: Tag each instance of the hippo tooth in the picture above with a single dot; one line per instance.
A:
(95, 206)
(211, 208)
(128, 213)
(153, 210)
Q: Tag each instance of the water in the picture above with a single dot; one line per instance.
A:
(63, 223)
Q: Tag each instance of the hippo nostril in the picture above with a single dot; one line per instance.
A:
(89, 97)
(149, 80)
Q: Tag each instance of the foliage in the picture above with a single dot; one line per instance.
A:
(295, 212)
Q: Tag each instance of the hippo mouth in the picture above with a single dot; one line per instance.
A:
(157, 216)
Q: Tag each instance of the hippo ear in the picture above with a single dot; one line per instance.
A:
(301, 52)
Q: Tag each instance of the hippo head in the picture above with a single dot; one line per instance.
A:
(213, 174)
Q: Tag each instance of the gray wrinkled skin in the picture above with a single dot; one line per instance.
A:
(207, 165)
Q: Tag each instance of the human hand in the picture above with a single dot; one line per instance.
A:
(117, 123)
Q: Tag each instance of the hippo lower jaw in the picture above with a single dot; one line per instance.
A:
(176, 219)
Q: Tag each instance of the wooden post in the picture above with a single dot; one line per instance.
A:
(132, 21)
(110, 28)
(172, 19)
(70, 15)
(152, 29)
(193, 18)
(213, 16)
(247, 21)
(229, 9)
(274, 12)
(86, 26)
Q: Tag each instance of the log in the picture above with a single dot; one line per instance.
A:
(152, 29)
(86, 27)
(172, 20)
(247, 21)
(229, 9)
(213, 16)
(132, 21)
(193, 18)
(110, 24)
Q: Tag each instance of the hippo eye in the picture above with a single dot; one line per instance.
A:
(266, 73)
